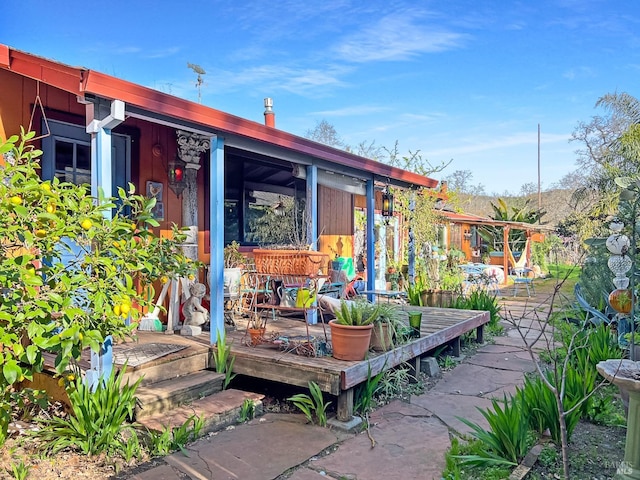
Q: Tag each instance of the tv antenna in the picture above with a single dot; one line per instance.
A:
(200, 71)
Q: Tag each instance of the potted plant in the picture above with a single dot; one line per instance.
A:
(351, 329)
(233, 263)
(385, 327)
(256, 328)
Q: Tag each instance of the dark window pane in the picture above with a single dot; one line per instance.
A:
(83, 157)
(64, 156)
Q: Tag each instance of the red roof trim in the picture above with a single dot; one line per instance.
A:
(80, 81)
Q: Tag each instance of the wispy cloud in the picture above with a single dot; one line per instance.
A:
(579, 72)
(514, 140)
(302, 81)
(167, 52)
(352, 111)
(398, 36)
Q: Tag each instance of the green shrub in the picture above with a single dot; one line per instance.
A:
(314, 406)
(98, 420)
(364, 392)
(224, 360)
(507, 440)
(171, 439)
(65, 307)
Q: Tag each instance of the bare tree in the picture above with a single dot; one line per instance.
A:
(325, 133)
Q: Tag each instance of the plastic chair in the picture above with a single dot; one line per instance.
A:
(522, 278)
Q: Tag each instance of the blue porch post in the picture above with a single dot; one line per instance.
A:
(371, 250)
(312, 206)
(100, 123)
(216, 225)
(312, 223)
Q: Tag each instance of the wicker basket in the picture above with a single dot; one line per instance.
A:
(291, 262)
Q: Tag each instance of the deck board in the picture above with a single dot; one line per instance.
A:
(439, 327)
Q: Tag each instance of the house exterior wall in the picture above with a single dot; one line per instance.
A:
(17, 97)
(335, 222)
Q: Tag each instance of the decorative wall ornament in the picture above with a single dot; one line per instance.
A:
(191, 146)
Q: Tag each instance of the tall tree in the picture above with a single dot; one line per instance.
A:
(325, 133)
(610, 149)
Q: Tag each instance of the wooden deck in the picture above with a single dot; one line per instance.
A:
(440, 326)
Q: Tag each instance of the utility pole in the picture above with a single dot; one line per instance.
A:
(539, 191)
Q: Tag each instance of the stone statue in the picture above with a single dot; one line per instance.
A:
(194, 313)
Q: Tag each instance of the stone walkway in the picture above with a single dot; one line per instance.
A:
(410, 438)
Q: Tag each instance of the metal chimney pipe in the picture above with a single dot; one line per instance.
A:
(269, 115)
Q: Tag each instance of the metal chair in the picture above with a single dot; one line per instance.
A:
(522, 278)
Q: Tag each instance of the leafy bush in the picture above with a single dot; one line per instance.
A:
(507, 440)
(98, 420)
(64, 307)
(314, 406)
(171, 439)
(366, 390)
(224, 360)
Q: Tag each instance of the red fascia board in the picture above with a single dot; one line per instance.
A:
(4, 56)
(113, 88)
(46, 71)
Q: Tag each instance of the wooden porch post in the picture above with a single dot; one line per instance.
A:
(216, 238)
(505, 252)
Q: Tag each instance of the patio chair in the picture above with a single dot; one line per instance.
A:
(522, 278)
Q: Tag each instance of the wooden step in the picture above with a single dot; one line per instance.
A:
(170, 367)
(168, 394)
(217, 411)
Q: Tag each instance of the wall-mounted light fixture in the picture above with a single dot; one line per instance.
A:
(387, 204)
(175, 173)
(467, 233)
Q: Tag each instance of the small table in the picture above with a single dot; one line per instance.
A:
(389, 294)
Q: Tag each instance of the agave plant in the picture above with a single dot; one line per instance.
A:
(357, 313)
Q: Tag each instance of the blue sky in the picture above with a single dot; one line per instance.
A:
(467, 80)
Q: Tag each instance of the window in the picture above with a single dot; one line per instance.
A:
(73, 161)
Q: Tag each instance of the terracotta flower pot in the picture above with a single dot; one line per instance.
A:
(381, 337)
(256, 335)
(350, 342)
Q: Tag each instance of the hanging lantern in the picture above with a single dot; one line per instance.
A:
(175, 174)
(387, 204)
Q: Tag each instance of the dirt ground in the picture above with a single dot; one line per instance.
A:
(595, 452)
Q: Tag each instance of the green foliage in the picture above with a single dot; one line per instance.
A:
(541, 407)
(358, 313)
(224, 360)
(414, 291)
(98, 419)
(171, 439)
(507, 439)
(65, 307)
(247, 410)
(606, 407)
(20, 470)
(363, 395)
(131, 448)
(314, 406)
(394, 382)
(483, 301)
(455, 469)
